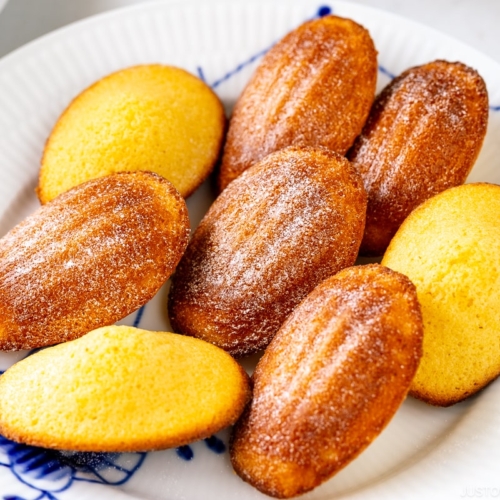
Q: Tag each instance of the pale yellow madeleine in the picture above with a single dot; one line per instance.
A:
(149, 117)
(121, 389)
(450, 248)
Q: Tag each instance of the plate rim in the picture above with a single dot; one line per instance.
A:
(152, 4)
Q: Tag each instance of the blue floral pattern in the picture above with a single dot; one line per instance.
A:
(51, 471)
(48, 472)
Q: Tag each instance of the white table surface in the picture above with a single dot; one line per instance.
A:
(474, 22)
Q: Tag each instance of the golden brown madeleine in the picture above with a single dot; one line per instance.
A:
(330, 381)
(147, 117)
(313, 88)
(122, 389)
(281, 228)
(423, 136)
(88, 258)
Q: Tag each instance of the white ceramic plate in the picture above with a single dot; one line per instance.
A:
(425, 452)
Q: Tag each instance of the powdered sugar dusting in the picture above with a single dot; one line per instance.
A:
(276, 232)
(423, 135)
(89, 258)
(331, 379)
(314, 88)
